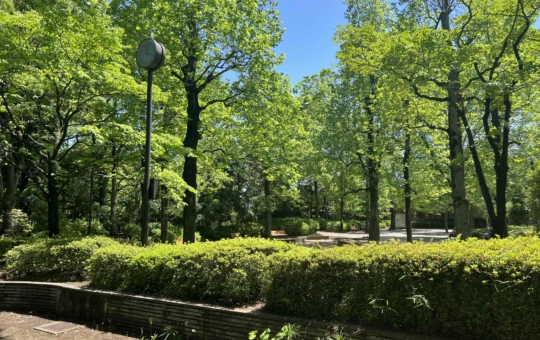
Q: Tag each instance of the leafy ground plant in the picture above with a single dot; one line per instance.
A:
(288, 332)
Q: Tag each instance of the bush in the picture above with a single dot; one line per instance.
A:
(472, 289)
(108, 267)
(53, 259)
(251, 229)
(347, 225)
(323, 224)
(226, 272)
(79, 228)
(294, 226)
(8, 243)
(217, 232)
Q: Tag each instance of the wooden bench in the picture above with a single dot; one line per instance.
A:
(278, 233)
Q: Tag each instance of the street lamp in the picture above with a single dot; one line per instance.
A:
(150, 56)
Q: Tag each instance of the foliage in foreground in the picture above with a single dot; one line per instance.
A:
(53, 259)
(472, 289)
(226, 272)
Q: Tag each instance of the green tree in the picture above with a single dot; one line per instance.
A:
(205, 41)
(62, 72)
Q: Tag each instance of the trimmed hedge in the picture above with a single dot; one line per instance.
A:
(472, 289)
(53, 259)
(295, 226)
(226, 272)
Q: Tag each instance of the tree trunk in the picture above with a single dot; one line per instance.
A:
(114, 203)
(368, 190)
(373, 163)
(446, 220)
(393, 217)
(457, 169)
(103, 190)
(471, 216)
(190, 166)
(341, 208)
(406, 177)
(374, 230)
(316, 199)
(103, 185)
(501, 172)
(9, 178)
(268, 208)
(91, 203)
(53, 218)
(164, 216)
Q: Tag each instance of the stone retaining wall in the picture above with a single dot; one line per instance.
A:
(192, 321)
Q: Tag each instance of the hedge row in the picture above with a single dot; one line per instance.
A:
(53, 259)
(473, 289)
(227, 271)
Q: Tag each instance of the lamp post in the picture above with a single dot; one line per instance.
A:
(150, 56)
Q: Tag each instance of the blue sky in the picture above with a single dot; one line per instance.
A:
(307, 42)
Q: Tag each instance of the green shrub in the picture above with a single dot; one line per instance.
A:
(472, 289)
(323, 224)
(8, 243)
(347, 225)
(227, 271)
(54, 259)
(251, 229)
(79, 228)
(109, 266)
(132, 231)
(218, 232)
(295, 226)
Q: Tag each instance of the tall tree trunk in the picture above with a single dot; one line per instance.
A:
(501, 172)
(406, 177)
(114, 204)
(114, 192)
(53, 218)
(499, 149)
(91, 203)
(368, 190)
(316, 184)
(268, 208)
(190, 166)
(164, 215)
(457, 169)
(103, 190)
(103, 186)
(393, 217)
(446, 220)
(374, 230)
(373, 163)
(471, 216)
(341, 208)
(9, 178)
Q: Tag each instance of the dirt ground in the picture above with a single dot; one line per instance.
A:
(20, 326)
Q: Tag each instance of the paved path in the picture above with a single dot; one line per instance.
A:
(20, 326)
(360, 237)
